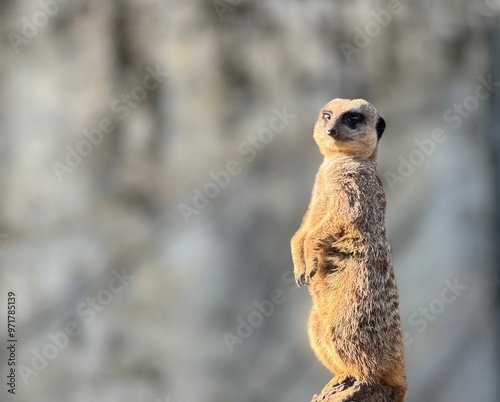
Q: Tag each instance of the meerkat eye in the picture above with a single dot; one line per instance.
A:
(352, 119)
(327, 116)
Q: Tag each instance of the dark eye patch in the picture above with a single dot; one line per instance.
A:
(352, 119)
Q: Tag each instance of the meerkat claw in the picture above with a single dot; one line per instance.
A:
(300, 280)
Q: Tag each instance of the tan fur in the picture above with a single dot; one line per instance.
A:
(342, 253)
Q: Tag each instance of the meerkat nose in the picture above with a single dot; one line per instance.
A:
(332, 131)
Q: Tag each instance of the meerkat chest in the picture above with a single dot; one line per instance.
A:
(347, 195)
(321, 199)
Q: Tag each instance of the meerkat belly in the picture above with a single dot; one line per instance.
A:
(331, 304)
(354, 312)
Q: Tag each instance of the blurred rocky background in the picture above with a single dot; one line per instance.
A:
(156, 158)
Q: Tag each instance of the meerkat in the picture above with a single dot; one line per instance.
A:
(341, 252)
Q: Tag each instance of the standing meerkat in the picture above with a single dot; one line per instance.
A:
(341, 252)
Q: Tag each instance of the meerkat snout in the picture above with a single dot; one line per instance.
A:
(351, 120)
(332, 131)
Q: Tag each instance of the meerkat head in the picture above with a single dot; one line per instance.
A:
(349, 126)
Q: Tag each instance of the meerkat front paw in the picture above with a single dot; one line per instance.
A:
(300, 275)
(299, 266)
(311, 266)
(304, 279)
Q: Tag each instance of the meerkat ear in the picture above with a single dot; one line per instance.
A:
(380, 127)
